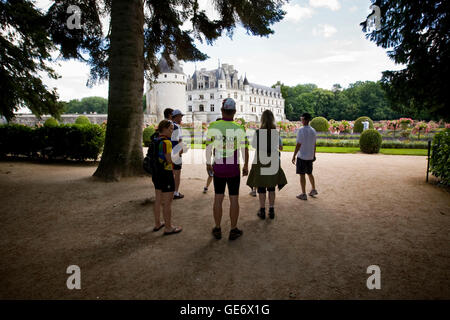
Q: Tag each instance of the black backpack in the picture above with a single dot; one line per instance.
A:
(151, 159)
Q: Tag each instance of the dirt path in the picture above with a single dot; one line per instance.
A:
(371, 210)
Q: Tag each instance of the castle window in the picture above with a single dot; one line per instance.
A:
(201, 97)
(241, 97)
(165, 76)
(190, 108)
(175, 76)
(211, 96)
(242, 108)
(235, 95)
(229, 95)
(220, 86)
(189, 97)
(212, 108)
(201, 108)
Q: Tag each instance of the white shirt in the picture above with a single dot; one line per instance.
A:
(306, 136)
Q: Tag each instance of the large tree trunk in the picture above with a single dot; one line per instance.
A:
(122, 155)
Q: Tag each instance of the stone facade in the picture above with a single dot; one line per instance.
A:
(200, 97)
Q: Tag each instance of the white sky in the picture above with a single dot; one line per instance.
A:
(319, 41)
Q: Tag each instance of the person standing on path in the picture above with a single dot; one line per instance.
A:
(225, 140)
(266, 172)
(306, 144)
(177, 147)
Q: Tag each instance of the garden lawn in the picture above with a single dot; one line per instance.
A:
(399, 152)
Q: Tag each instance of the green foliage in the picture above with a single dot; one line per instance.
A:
(358, 127)
(415, 34)
(87, 105)
(320, 124)
(359, 99)
(440, 157)
(51, 122)
(52, 142)
(24, 51)
(146, 135)
(370, 141)
(82, 120)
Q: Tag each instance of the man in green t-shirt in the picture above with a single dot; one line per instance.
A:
(226, 140)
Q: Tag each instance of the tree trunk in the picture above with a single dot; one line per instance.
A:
(122, 155)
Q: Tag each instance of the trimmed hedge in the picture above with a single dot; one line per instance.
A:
(320, 124)
(440, 157)
(370, 141)
(82, 120)
(51, 122)
(358, 127)
(70, 141)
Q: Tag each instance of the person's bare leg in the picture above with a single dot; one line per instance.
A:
(271, 199)
(303, 183)
(312, 181)
(167, 210)
(217, 209)
(177, 177)
(262, 200)
(208, 181)
(234, 211)
(157, 208)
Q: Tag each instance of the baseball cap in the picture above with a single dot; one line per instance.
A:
(177, 112)
(229, 104)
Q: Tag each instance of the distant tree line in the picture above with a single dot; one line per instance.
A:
(366, 98)
(88, 105)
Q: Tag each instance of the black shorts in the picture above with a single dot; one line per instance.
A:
(304, 166)
(233, 185)
(263, 189)
(164, 181)
(177, 166)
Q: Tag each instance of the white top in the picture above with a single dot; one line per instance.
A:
(306, 136)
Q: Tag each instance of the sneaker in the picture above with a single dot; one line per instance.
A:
(178, 196)
(235, 233)
(205, 190)
(313, 193)
(262, 213)
(302, 196)
(253, 193)
(271, 213)
(217, 233)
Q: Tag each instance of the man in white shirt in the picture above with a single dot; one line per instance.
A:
(306, 144)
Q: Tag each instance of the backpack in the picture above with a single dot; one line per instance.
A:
(151, 159)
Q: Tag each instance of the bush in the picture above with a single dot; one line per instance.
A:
(82, 120)
(440, 157)
(51, 122)
(53, 142)
(146, 135)
(370, 141)
(358, 127)
(320, 124)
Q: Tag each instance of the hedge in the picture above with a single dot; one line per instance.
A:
(70, 141)
(440, 157)
(82, 120)
(146, 135)
(370, 141)
(358, 127)
(320, 124)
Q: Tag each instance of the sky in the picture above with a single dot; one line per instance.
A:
(318, 41)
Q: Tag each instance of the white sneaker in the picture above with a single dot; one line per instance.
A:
(313, 193)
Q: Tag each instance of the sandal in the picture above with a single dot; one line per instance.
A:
(173, 231)
(158, 228)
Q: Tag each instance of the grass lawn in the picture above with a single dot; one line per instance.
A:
(408, 152)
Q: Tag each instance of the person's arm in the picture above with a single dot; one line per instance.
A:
(208, 152)
(297, 147)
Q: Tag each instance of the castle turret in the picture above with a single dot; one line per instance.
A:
(168, 90)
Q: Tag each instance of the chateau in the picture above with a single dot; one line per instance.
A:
(200, 97)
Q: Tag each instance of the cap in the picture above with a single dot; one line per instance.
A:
(177, 112)
(229, 104)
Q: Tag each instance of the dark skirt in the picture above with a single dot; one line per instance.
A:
(257, 179)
